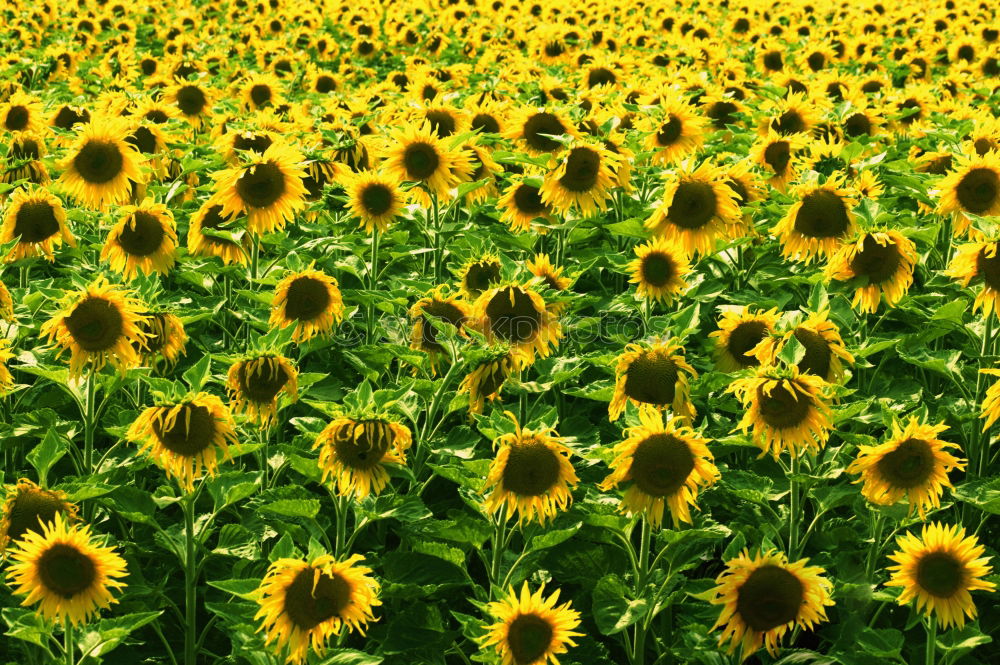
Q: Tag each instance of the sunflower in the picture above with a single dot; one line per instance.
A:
(534, 127)
(22, 113)
(792, 115)
(819, 221)
(522, 204)
(444, 309)
(192, 101)
(36, 221)
(101, 166)
(517, 315)
(304, 603)
(267, 188)
(99, 325)
(374, 199)
(479, 275)
(27, 507)
(542, 268)
(973, 187)
(416, 154)
(309, 300)
(939, 569)
(656, 375)
(530, 475)
(24, 161)
(697, 209)
(979, 260)
(261, 90)
(6, 378)
(143, 241)
(6, 304)
(784, 410)
(739, 333)
(765, 595)
(825, 353)
(531, 629)
(659, 270)
(186, 437)
(164, 337)
(743, 183)
(912, 463)
(665, 462)
(211, 232)
(775, 153)
(64, 572)
(255, 382)
(487, 378)
(883, 260)
(353, 453)
(675, 132)
(582, 179)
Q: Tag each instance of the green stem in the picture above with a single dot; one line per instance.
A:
(876, 548)
(638, 649)
(931, 640)
(793, 509)
(438, 247)
(499, 538)
(190, 582)
(978, 455)
(68, 643)
(340, 538)
(372, 279)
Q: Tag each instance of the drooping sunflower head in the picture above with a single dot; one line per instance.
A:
(743, 183)
(973, 187)
(913, 463)
(309, 300)
(531, 629)
(487, 378)
(697, 209)
(64, 572)
(354, 453)
(658, 270)
(255, 383)
(739, 333)
(938, 570)
(143, 241)
(882, 260)
(531, 475)
(824, 352)
(267, 188)
(212, 232)
(819, 221)
(443, 308)
(27, 507)
(304, 603)
(479, 275)
(656, 376)
(784, 410)
(522, 204)
(763, 596)
(98, 325)
(792, 115)
(186, 437)
(163, 337)
(36, 221)
(101, 167)
(664, 463)
(582, 179)
(376, 200)
(517, 315)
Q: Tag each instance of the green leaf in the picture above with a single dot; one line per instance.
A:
(613, 612)
(26, 625)
(43, 456)
(350, 657)
(196, 374)
(102, 637)
(304, 508)
(553, 537)
(242, 588)
(983, 493)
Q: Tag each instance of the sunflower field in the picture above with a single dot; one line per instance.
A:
(512, 332)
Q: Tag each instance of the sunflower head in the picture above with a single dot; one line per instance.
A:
(267, 188)
(697, 209)
(143, 241)
(309, 300)
(883, 263)
(418, 155)
(101, 167)
(255, 383)
(354, 453)
(739, 334)
(582, 179)
(479, 275)
(36, 221)
(376, 200)
(522, 204)
(443, 308)
(27, 507)
(164, 337)
(657, 376)
(531, 629)
(212, 232)
(979, 262)
(658, 270)
(972, 188)
(487, 378)
(517, 315)
(820, 220)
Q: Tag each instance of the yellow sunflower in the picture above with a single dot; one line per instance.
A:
(531, 629)
(665, 463)
(739, 334)
(675, 132)
(979, 260)
(98, 325)
(163, 337)
(211, 232)
(819, 221)
(479, 275)
(542, 268)
(192, 101)
(938, 570)
(776, 155)
(582, 179)
(64, 572)
(991, 401)
(143, 241)
(534, 127)
(27, 507)
(255, 382)
(521, 204)
(374, 199)
(267, 188)
(310, 300)
(784, 410)
(883, 260)
(444, 309)
(101, 167)
(825, 353)
(6, 304)
(517, 315)
(697, 209)
(487, 378)
(261, 90)
(912, 463)
(973, 187)
(186, 437)
(6, 378)
(655, 375)
(416, 154)
(36, 221)
(22, 113)
(658, 270)
(764, 596)
(530, 475)
(353, 454)
(304, 603)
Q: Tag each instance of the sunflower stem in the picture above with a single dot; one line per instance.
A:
(876, 548)
(372, 278)
(793, 509)
(978, 454)
(190, 582)
(68, 643)
(499, 537)
(89, 423)
(638, 649)
(438, 248)
(931, 640)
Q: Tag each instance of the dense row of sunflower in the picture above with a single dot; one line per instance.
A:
(310, 259)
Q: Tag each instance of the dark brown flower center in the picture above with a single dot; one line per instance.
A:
(539, 124)
(192, 431)
(376, 199)
(744, 337)
(652, 379)
(261, 379)
(722, 113)
(67, 117)
(937, 166)
(818, 355)
(783, 408)
(258, 143)
(528, 638)
(773, 62)
(98, 161)
(669, 131)
(739, 189)
(261, 185)
(95, 324)
(485, 122)
(658, 268)
(875, 261)
(24, 148)
(908, 106)
(661, 464)
(142, 235)
(978, 190)
(693, 206)
(212, 220)
(909, 465)
(362, 445)
(940, 574)
(532, 469)
(777, 155)
(156, 331)
(444, 312)
(481, 275)
(989, 267)
(528, 201)
(600, 76)
(17, 118)
(421, 161)
(306, 299)
(143, 139)
(191, 100)
(260, 94)
(789, 122)
(31, 509)
(582, 168)
(492, 377)
(770, 597)
(442, 123)
(65, 570)
(512, 315)
(35, 221)
(857, 124)
(310, 601)
(325, 84)
(822, 214)
(157, 116)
